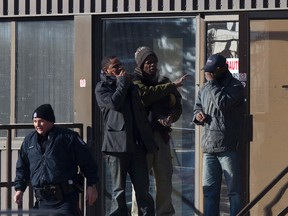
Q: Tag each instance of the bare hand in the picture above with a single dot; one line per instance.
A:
(179, 81)
(200, 116)
(166, 122)
(91, 194)
(119, 73)
(122, 74)
(18, 197)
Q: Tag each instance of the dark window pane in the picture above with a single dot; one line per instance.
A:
(44, 70)
(5, 55)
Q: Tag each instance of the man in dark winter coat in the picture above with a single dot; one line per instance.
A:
(163, 105)
(219, 108)
(50, 158)
(127, 137)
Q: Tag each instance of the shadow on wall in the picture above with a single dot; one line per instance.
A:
(277, 198)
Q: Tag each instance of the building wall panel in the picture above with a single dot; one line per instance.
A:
(259, 3)
(155, 6)
(224, 4)
(283, 3)
(1, 7)
(131, 5)
(43, 7)
(66, 7)
(76, 6)
(54, 7)
(120, 6)
(143, 5)
(212, 5)
(247, 5)
(32, 7)
(177, 5)
(189, 5)
(11, 8)
(109, 6)
(201, 6)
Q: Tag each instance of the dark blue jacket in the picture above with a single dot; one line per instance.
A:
(124, 116)
(65, 151)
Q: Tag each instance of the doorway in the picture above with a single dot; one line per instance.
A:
(222, 36)
(268, 105)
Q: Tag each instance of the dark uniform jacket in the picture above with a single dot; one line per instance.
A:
(223, 104)
(64, 151)
(124, 117)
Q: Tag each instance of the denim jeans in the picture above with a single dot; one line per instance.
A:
(214, 165)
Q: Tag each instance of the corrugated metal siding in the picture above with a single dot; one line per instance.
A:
(66, 7)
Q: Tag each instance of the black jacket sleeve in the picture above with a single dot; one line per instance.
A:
(22, 169)
(85, 160)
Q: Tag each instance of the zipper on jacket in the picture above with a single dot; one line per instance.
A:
(209, 107)
(208, 132)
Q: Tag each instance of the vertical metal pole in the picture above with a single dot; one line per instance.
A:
(9, 165)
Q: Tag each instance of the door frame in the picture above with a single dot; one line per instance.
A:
(243, 59)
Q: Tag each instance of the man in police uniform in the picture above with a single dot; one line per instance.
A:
(50, 158)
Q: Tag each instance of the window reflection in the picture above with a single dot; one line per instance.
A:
(173, 40)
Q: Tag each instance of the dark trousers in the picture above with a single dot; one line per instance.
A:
(135, 165)
(68, 206)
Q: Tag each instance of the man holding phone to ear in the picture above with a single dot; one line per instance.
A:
(127, 137)
(219, 108)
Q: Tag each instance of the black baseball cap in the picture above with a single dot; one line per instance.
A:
(213, 62)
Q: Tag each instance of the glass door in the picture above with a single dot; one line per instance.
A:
(173, 40)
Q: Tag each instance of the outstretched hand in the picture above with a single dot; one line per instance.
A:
(179, 81)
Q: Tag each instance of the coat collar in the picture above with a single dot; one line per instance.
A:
(106, 78)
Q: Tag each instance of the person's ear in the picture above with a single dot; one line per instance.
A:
(105, 70)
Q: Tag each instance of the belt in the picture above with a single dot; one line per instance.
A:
(54, 191)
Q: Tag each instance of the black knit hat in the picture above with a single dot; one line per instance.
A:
(142, 53)
(44, 111)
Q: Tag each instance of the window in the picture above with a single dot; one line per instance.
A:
(44, 69)
(173, 39)
(44, 73)
(5, 77)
